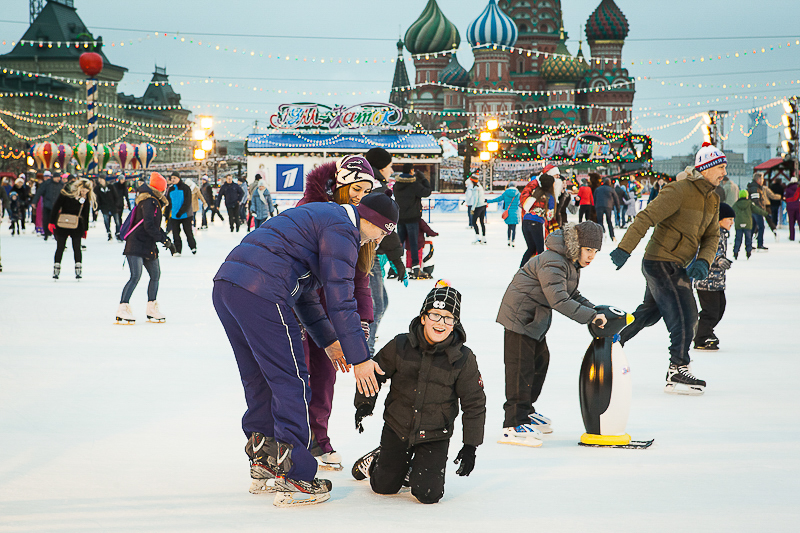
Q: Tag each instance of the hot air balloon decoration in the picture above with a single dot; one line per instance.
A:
(102, 155)
(63, 155)
(84, 152)
(145, 153)
(45, 153)
(123, 153)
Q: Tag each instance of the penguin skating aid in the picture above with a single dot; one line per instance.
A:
(605, 385)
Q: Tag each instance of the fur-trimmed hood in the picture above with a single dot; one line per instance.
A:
(320, 184)
(145, 191)
(565, 242)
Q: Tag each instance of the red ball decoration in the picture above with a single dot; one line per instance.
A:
(91, 63)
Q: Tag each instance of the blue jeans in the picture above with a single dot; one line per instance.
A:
(410, 231)
(153, 269)
(758, 227)
(107, 215)
(380, 301)
(605, 212)
(669, 296)
(747, 235)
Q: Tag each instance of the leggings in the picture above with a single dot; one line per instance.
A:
(153, 269)
(61, 245)
(512, 232)
(534, 238)
(479, 215)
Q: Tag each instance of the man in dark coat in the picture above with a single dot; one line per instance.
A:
(432, 373)
(107, 205)
(621, 212)
(276, 270)
(48, 191)
(179, 212)
(605, 201)
(409, 190)
(121, 188)
(208, 202)
(233, 195)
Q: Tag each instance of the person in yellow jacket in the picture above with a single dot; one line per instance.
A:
(683, 245)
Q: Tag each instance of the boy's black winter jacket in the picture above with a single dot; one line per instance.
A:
(428, 382)
(408, 193)
(106, 198)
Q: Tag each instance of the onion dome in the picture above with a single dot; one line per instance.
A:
(561, 67)
(432, 32)
(492, 27)
(454, 74)
(607, 23)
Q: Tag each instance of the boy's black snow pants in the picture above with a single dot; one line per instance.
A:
(712, 304)
(426, 460)
(526, 361)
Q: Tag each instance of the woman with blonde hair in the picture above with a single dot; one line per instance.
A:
(345, 181)
(70, 219)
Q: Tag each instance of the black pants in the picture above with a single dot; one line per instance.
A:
(46, 220)
(605, 213)
(534, 238)
(427, 461)
(712, 307)
(583, 212)
(526, 361)
(669, 295)
(410, 231)
(479, 215)
(233, 217)
(214, 211)
(186, 224)
(61, 244)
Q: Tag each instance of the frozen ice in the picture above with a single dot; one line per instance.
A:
(137, 428)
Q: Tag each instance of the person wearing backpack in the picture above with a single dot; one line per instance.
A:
(142, 232)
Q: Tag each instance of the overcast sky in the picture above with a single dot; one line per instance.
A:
(678, 29)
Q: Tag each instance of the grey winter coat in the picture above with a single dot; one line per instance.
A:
(546, 282)
(716, 273)
(49, 192)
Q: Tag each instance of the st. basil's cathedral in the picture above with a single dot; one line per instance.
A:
(521, 56)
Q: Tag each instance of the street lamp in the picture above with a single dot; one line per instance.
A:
(199, 154)
(790, 143)
(490, 146)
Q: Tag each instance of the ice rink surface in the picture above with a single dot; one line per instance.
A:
(137, 428)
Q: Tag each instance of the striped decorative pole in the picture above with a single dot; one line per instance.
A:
(91, 64)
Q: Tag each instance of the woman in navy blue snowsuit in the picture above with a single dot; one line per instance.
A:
(275, 270)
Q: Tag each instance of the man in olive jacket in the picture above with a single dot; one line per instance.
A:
(432, 372)
(686, 218)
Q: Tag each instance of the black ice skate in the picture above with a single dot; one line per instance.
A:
(291, 492)
(360, 469)
(708, 345)
(261, 450)
(681, 381)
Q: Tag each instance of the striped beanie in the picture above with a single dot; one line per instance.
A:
(443, 297)
(353, 168)
(709, 156)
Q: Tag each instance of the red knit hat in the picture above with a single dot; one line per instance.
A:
(158, 182)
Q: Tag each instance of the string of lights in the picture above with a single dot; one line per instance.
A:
(40, 94)
(603, 88)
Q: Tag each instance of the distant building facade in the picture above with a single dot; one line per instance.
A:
(758, 149)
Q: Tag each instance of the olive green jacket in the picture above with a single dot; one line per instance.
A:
(686, 217)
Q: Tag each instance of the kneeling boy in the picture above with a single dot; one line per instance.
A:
(431, 372)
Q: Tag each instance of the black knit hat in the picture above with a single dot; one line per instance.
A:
(378, 158)
(725, 211)
(443, 297)
(175, 174)
(379, 209)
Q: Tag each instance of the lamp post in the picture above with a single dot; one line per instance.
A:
(490, 147)
(204, 136)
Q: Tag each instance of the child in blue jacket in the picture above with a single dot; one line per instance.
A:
(510, 199)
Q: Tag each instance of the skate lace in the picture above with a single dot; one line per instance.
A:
(684, 371)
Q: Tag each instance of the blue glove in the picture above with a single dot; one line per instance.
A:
(698, 270)
(619, 256)
(405, 280)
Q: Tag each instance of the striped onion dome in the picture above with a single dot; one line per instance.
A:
(432, 32)
(562, 67)
(492, 27)
(607, 23)
(454, 74)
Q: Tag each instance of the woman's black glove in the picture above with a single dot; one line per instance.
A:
(467, 459)
(169, 246)
(362, 412)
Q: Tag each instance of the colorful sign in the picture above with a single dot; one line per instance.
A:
(582, 146)
(321, 117)
(289, 178)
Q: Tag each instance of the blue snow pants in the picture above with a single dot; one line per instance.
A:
(268, 348)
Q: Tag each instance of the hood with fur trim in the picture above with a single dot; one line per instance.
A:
(146, 191)
(565, 242)
(320, 184)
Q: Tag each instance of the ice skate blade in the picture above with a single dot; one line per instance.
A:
(530, 442)
(124, 322)
(261, 486)
(335, 467)
(156, 320)
(298, 499)
(707, 348)
(684, 390)
(632, 445)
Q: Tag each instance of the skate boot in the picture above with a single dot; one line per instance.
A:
(109, 236)
(262, 451)
(483, 240)
(509, 242)
(522, 435)
(477, 240)
(56, 270)
(541, 422)
(330, 461)
(710, 344)
(78, 271)
(125, 315)
(681, 381)
(153, 313)
(296, 492)
(361, 468)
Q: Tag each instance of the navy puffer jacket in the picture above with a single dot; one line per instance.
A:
(291, 255)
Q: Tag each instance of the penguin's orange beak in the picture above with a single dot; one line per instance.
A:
(629, 318)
